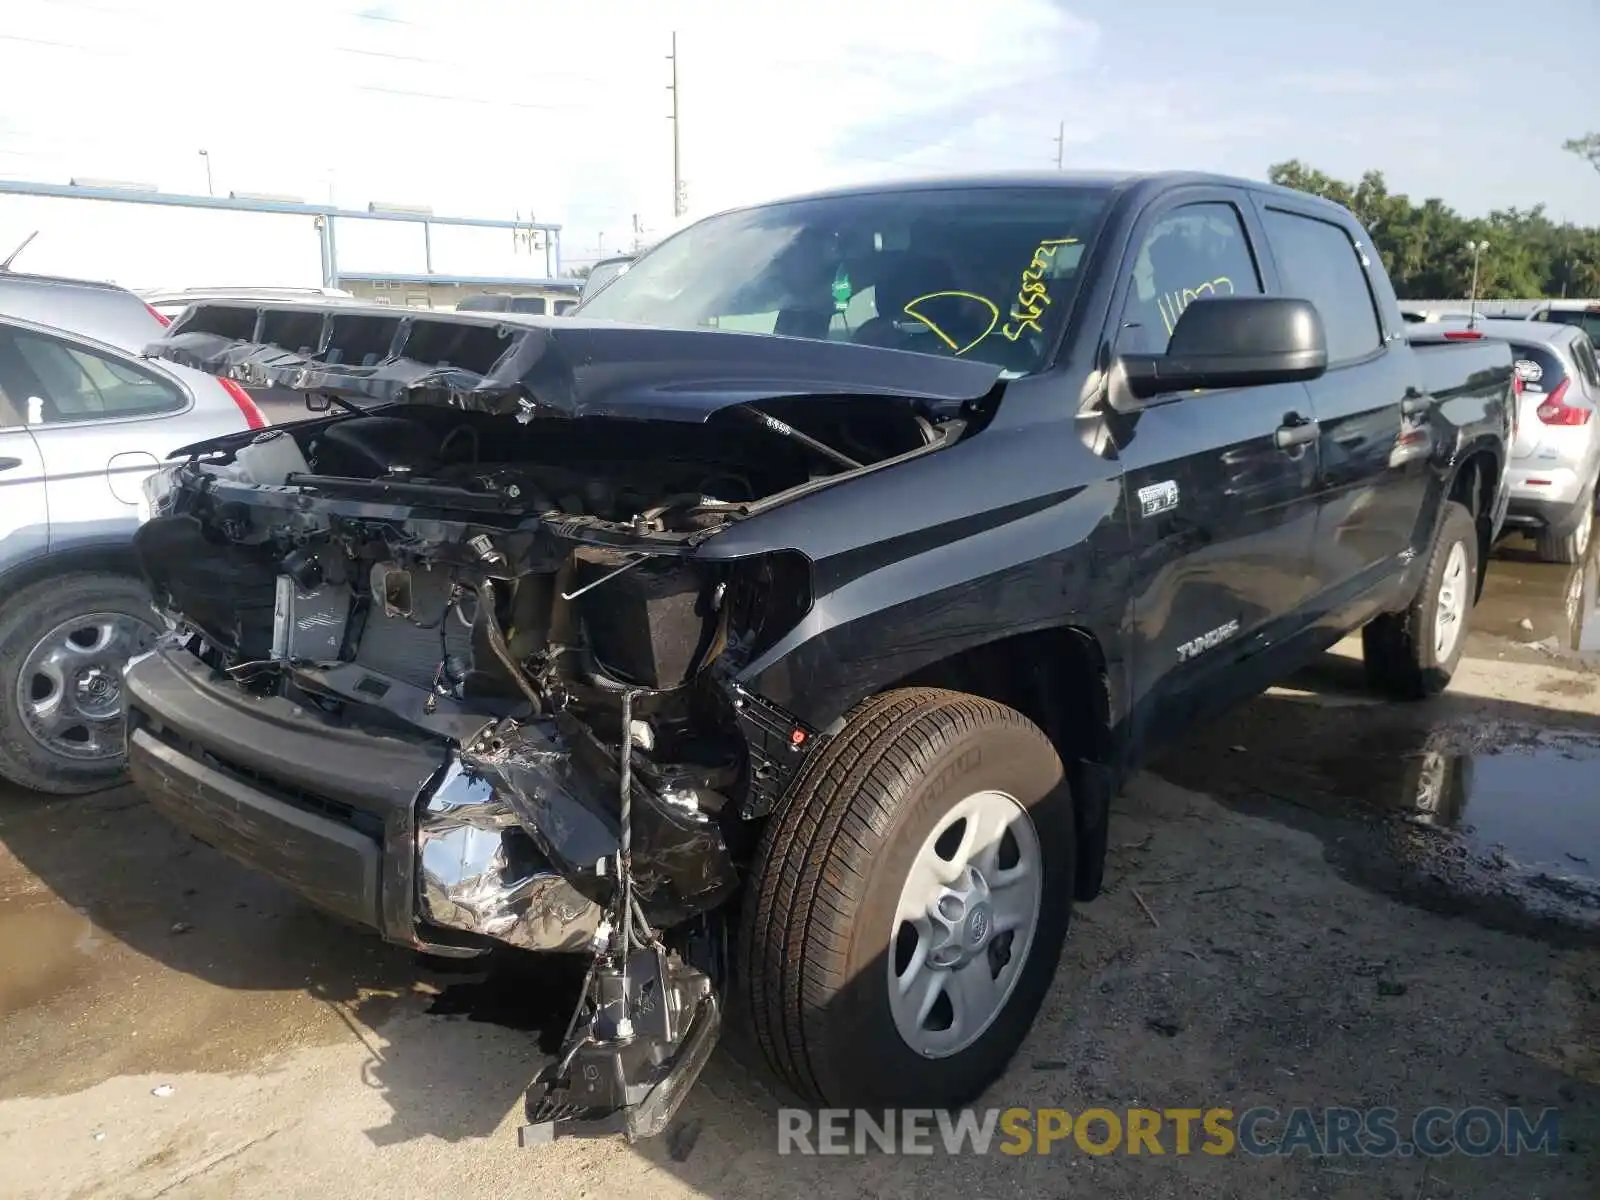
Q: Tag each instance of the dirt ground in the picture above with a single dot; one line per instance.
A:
(1323, 900)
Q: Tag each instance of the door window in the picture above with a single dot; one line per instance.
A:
(1193, 252)
(1318, 262)
(72, 383)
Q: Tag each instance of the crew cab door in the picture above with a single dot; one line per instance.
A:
(1371, 407)
(1222, 516)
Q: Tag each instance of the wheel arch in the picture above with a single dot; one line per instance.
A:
(114, 557)
(1060, 679)
(1475, 484)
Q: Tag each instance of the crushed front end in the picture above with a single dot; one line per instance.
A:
(572, 748)
(455, 668)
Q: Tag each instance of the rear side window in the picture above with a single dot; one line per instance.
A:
(1318, 262)
(72, 383)
(1538, 367)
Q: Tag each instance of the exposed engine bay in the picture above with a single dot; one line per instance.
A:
(525, 593)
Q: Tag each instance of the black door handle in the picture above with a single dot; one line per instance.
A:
(1296, 431)
(9, 464)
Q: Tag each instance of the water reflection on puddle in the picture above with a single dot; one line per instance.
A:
(1532, 810)
(1543, 606)
(1464, 811)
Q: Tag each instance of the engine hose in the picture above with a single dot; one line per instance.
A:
(497, 642)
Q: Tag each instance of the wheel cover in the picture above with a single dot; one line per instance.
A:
(69, 691)
(964, 924)
(1451, 610)
(1580, 535)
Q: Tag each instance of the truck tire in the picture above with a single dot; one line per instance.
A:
(1411, 655)
(927, 851)
(1568, 542)
(63, 643)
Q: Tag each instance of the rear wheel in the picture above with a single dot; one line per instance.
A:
(1569, 541)
(63, 644)
(909, 903)
(1413, 654)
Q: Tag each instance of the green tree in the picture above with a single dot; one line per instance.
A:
(1425, 247)
(1586, 147)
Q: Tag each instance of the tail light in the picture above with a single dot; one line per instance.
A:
(1462, 335)
(158, 314)
(252, 414)
(1556, 411)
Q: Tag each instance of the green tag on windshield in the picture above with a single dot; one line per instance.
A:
(841, 290)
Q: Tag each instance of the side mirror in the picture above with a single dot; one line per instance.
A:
(1232, 342)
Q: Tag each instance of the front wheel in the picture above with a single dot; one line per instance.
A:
(1413, 654)
(909, 903)
(63, 644)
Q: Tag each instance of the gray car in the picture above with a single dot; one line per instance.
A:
(83, 420)
(1555, 457)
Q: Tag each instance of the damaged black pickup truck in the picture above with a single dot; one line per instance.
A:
(775, 629)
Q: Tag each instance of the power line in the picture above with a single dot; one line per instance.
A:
(460, 65)
(450, 99)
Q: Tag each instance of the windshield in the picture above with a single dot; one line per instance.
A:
(985, 273)
(603, 273)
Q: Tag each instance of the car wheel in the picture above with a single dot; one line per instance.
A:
(909, 902)
(1412, 654)
(63, 644)
(1569, 541)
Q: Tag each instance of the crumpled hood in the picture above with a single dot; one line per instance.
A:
(567, 366)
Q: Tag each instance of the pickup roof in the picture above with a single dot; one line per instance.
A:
(800, 664)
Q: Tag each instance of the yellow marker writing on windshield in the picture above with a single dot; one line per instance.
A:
(994, 318)
(1033, 296)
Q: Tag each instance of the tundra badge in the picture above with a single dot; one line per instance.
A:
(1158, 497)
(1206, 641)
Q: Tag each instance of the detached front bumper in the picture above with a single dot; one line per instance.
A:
(325, 809)
(434, 845)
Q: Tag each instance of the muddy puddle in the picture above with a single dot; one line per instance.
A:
(1497, 821)
(1532, 609)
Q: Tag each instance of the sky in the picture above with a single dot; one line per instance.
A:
(558, 111)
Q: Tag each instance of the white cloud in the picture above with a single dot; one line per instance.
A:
(496, 107)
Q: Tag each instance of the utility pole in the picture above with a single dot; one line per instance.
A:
(677, 168)
(1061, 146)
(206, 154)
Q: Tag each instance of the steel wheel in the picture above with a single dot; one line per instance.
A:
(1455, 587)
(69, 691)
(964, 924)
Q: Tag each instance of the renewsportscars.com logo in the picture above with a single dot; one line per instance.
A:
(1258, 1132)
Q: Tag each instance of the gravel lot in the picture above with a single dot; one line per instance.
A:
(1285, 925)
